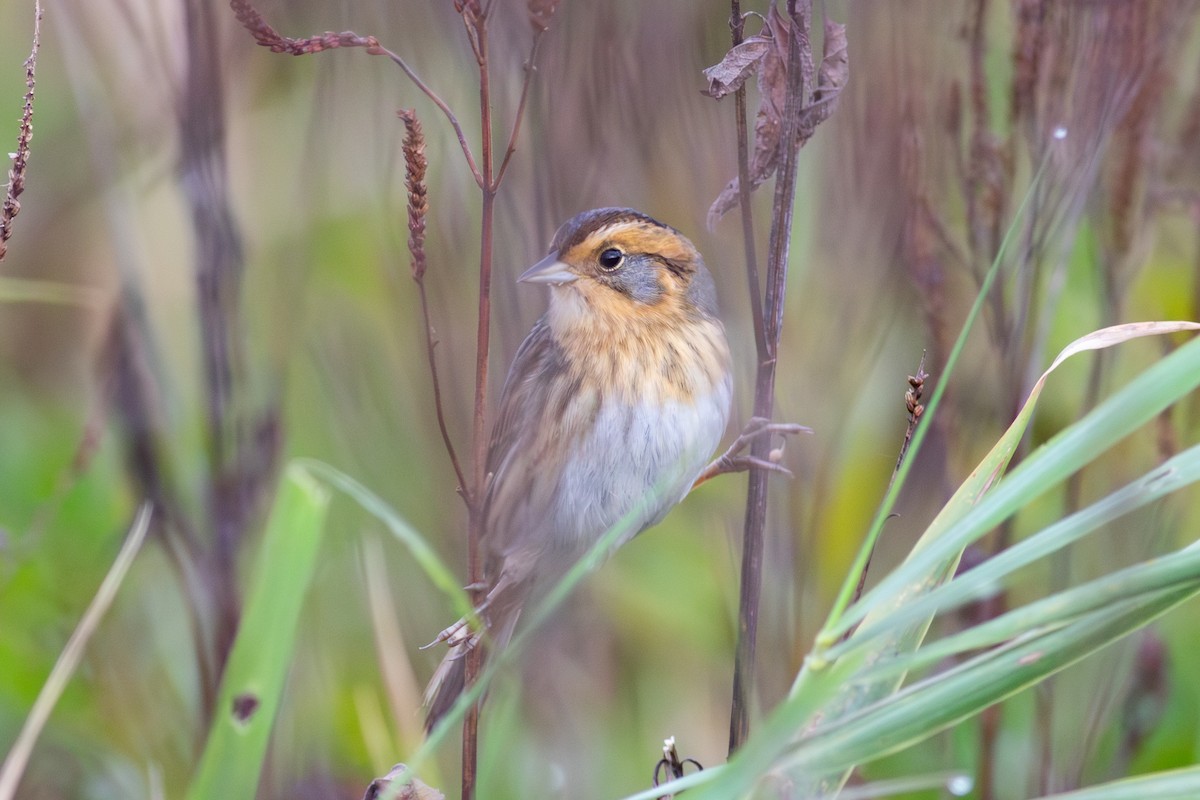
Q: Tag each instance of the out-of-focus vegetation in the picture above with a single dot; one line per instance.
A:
(905, 197)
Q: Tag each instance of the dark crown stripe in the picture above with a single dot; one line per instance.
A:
(583, 225)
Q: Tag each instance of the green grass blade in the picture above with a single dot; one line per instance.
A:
(1167, 573)
(68, 660)
(983, 501)
(258, 663)
(833, 689)
(439, 574)
(1181, 470)
(1178, 784)
(939, 702)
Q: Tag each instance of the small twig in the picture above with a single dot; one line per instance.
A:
(671, 767)
(418, 208)
(530, 68)
(20, 159)
(478, 32)
(269, 38)
(737, 26)
(912, 402)
(764, 389)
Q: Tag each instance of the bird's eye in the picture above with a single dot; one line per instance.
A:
(611, 258)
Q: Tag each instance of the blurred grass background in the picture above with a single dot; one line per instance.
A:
(902, 197)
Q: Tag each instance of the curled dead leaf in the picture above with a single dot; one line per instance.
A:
(771, 69)
(738, 64)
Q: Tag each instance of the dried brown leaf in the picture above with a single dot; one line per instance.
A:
(831, 79)
(835, 63)
(737, 65)
(768, 124)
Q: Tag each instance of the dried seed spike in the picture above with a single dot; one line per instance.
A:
(415, 164)
(20, 159)
(268, 37)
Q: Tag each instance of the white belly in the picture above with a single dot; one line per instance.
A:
(640, 462)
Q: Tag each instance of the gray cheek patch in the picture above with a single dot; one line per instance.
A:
(638, 280)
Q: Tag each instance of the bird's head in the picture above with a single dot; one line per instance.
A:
(618, 263)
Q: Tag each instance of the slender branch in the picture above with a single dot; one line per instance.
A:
(530, 68)
(268, 37)
(418, 207)
(912, 402)
(737, 27)
(764, 400)
(445, 109)
(470, 735)
(430, 344)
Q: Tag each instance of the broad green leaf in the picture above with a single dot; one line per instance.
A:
(258, 663)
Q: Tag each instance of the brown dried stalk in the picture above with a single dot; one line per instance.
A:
(474, 15)
(788, 114)
(418, 209)
(267, 37)
(20, 159)
(912, 404)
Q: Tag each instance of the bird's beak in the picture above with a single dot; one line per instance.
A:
(548, 270)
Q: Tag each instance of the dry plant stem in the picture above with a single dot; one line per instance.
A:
(912, 400)
(470, 734)
(416, 164)
(430, 345)
(530, 68)
(20, 159)
(764, 390)
(218, 266)
(737, 26)
(267, 37)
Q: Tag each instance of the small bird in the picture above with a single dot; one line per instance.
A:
(613, 406)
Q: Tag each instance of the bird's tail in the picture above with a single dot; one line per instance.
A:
(499, 613)
(447, 683)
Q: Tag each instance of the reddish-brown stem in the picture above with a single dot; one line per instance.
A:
(430, 344)
(441, 104)
(268, 37)
(764, 391)
(737, 26)
(530, 67)
(470, 736)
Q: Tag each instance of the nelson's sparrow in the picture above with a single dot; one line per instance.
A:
(612, 407)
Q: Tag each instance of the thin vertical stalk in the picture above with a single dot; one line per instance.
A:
(737, 26)
(764, 390)
(470, 735)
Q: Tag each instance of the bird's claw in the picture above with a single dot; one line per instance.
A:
(460, 632)
(731, 461)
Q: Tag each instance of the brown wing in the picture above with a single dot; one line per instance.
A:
(512, 454)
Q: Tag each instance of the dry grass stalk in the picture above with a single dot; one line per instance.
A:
(20, 159)
(415, 164)
(789, 110)
(269, 38)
